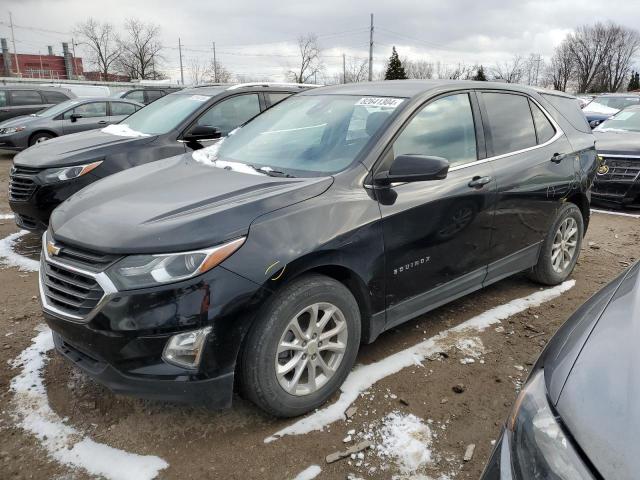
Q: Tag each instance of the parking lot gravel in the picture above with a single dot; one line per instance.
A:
(416, 423)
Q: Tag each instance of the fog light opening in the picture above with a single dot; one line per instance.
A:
(185, 349)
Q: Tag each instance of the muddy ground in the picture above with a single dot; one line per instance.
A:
(229, 444)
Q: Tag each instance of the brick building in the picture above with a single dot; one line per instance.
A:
(49, 66)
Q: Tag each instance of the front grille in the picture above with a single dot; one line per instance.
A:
(70, 292)
(22, 184)
(26, 221)
(621, 169)
(85, 259)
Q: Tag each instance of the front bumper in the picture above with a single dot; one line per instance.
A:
(14, 141)
(619, 183)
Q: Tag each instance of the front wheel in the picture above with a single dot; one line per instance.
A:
(40, 137)
(561, 247)
(301, 348)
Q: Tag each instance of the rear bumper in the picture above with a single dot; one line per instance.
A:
(212, 392)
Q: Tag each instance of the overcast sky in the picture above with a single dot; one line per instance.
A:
(257, 38)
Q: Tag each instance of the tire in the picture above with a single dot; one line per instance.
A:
(550, 270)
(40, 137)
(279, 395)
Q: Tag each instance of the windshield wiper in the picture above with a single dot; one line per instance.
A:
(271, 172)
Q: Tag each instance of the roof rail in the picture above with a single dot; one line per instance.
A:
(273, 84)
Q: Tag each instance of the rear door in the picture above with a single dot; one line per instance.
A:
(534, 171)
(437, 234)
(89, 116)
(23, 102)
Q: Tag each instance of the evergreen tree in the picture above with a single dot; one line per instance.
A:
(480, 76)
(395, 70)
(634, 82)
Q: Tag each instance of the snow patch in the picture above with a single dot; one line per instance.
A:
(209, 156)
(63, 442)
(622, 214)
(10, 258)
(123, 130)
(405, 439)
(364, 376)
(309, 473)
(6, 216)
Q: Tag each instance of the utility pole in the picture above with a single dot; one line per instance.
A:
(215, 64)
(13, 41)
(75, 65)
(180, 53)
(344, 69)
(371, 50)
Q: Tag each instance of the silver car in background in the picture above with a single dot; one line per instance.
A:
(71, 116)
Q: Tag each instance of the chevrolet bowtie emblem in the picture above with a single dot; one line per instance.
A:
(603, 169)
(53, 249)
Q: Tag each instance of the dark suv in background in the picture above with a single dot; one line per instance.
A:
(146, 95)
(16, 100)
(48, 173)
(342, 212)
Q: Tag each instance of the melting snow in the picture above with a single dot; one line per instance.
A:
(405, 439)
(595, 210)
(123, 130)
(208, 156)
(364, 376)
(6, 216)
(309, 473)
(10, 258)
(64, 443)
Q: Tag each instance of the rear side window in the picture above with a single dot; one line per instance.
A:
(153, 95)
(54, 97)
(444, 128)
(25, 97)
(510, 122)
(276, 97)
(231, 113)
(89, 110)
(3, 98)
(544, 128)
(120, 108)
(569, 109)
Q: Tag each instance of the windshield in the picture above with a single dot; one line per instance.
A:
(307, 135)
(605, 104)
(57, 109)
(166, 113)
(628, 121)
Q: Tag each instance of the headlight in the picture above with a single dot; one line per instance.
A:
(52, 175)
(185, 349)
(9, 130)
(139, 271)
(540, 448)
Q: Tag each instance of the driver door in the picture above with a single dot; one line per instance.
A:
(437, 233)
(92, 115)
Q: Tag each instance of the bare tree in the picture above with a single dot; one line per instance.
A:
(419, 69)
(200, 72)
(532, 67)
(511, 71)
(310, 62)
(356, 70)
(625, 45)
(140, 49)
(102, 42)
(561, 67)
(218, 73)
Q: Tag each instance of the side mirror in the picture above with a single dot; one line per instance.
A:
(75, 116)
(201, 132)
(414, 168)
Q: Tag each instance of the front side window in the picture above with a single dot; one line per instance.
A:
(308, 135)
(153, 95)
(544, 129)
(277, 97)
(444, 128)
(510, 122)
(89, 110)
(121, 108)
(25, 97)
(231, 113)
(136, 96)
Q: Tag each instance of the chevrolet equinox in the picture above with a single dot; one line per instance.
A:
(264, 261)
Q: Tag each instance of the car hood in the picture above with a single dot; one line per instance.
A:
(19, 121)
(617, 142)
(76, 149)
(599, 401)
(176, 204)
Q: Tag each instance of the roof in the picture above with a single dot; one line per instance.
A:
(22, 86)
(105, 99)
(413, 88)
(217, 88)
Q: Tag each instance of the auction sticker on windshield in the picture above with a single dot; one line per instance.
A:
(380, 102)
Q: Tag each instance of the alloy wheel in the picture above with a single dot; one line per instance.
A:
(564, 245)
(311, 349)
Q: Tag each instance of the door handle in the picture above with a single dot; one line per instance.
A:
(479, 182)
(102, 122)
(557, 157)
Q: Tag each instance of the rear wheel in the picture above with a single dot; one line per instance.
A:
(40, 137)
(301, 348)
(561, 247)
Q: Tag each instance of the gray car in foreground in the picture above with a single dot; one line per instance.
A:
(578, 415)
(71, 116)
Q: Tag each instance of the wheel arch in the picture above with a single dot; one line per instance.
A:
(582, 202)
(42, 130)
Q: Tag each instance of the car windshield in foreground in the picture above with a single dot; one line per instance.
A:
(166, 113)
(307, 135)
(601, 104)
(627, 121)
(57, 109)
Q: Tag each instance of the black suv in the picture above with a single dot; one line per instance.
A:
(146, 95)
(340, 213)
(46, 174)
(17, 100)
